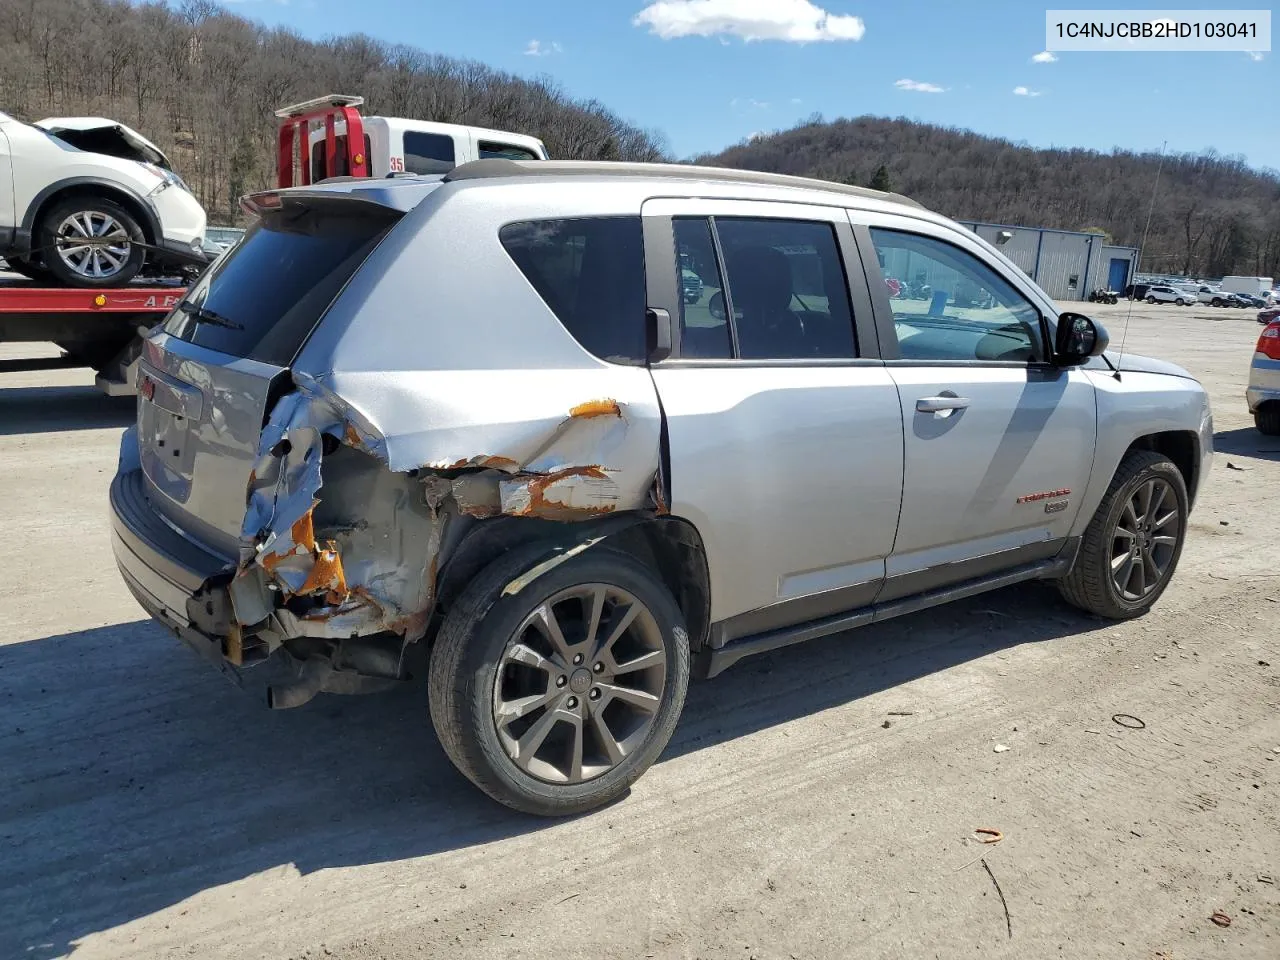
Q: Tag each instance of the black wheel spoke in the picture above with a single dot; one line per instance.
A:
(1144, 540)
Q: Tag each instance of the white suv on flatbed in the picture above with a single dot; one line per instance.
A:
(88, 202)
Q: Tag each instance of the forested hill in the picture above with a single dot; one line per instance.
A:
(1213, 216)
(203, 84)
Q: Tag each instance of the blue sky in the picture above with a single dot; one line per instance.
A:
(684, 67)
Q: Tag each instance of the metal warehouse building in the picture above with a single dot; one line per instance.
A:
(1065, 263)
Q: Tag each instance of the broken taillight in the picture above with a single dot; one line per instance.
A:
(1269, 342)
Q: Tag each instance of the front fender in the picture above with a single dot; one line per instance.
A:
(1140, 405)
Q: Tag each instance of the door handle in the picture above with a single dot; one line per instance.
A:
(941, 405)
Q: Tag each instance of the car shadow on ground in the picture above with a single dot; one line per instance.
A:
(137, 776)
(55, 409)
(1246, 442)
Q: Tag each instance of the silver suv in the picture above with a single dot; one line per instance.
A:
(480, 415)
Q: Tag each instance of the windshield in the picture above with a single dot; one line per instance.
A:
(265, 297)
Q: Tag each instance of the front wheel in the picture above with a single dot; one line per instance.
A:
(554, 699)
(1132, 545)
(1267, 419)
(90, 241)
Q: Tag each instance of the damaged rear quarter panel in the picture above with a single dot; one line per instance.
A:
(448, 390)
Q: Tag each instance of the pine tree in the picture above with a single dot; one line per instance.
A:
(881, 180)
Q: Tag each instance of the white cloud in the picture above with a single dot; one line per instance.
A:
(918, 86)
(1044, 56)
(793, 21)
(797, 101)
(1257, 56)
(1025, 92)
(537, 48)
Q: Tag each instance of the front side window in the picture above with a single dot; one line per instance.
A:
(786, 295)
(426, 153)
(952, 306)
(590, 272)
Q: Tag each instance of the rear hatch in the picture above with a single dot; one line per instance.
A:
(208, 379)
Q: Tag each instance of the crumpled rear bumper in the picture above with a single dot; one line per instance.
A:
(178, 582)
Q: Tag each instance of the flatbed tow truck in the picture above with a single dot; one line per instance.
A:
(103, 329)
(95, 328)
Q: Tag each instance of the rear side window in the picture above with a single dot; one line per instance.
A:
(504, 151)
(428, 153)
(786, 297)
(265, 297)
(590, 272)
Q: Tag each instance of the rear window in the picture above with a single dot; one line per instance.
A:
(265, 297)
(590, 272)
(428, 153)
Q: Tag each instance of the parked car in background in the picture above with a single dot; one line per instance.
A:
(1263, 394)
(1249, 300)
(92, 203)
(1213, 297)
(691, 285)
(1162, 294)
(224, 237)
(1267, 314)
(320, 479)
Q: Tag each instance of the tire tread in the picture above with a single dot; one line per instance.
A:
(1086, 586)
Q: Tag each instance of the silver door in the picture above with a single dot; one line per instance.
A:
(999, 442)
(791, 468)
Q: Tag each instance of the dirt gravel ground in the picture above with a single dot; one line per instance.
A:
(819, 802)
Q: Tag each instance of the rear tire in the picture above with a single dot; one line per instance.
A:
(1267, 420)
(111, 264)
(1151, 299)
(1125, 543)
(556, 729)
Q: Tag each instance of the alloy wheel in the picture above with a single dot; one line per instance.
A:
(105, 246)
(1145, 540)
(579, 684)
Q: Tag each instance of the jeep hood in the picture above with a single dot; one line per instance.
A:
(100, 135)
(1136, 363)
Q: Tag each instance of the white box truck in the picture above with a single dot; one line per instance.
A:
(1254, 286)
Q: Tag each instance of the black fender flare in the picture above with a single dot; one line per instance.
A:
(484, 541)
(135, 201)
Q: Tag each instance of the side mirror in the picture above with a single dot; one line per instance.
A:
(1078, 338)
(715, 306)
